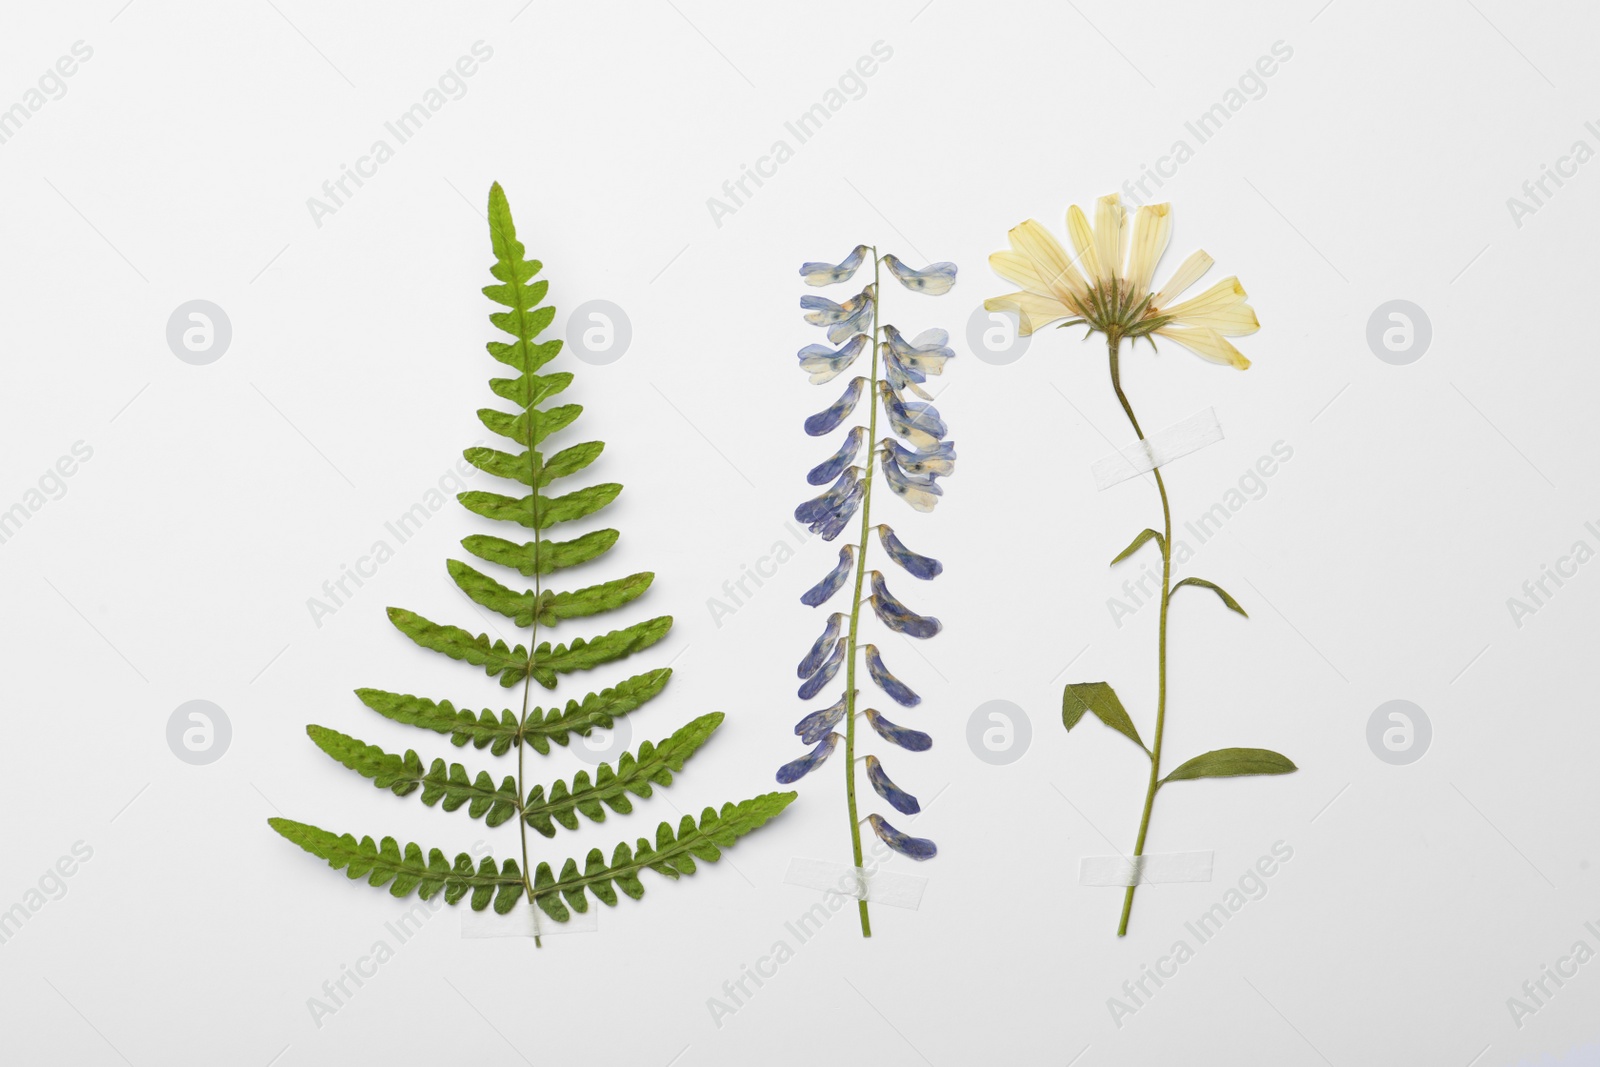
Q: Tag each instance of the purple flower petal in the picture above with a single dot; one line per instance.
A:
(813, 685)
(924, 567)
(898, 691)
(898, 798)
(832, 273)
(918, 848)
(904, 736)
(851, 317)
(896, 616)
(917, 422)
(831, 468)
(816, 725)
(828, 419)
(939, 461)
(819, 651)
(795, 770)
(833, 582)
(818, 508)
(935, 279)
(825, 364)
(921, 491)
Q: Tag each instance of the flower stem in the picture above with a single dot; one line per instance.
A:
(1113, 343)
(855, 601)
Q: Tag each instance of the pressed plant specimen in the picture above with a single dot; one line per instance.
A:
(673, 851)
(1111, 295)
(895, 366)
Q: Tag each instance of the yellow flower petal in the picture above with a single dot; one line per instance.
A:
(1033, 311)
(1061, 279)
(1189, 272)
(1152, 227)
(1225, 293)
(1108, 245)
(1207, 344)
(1235, 321)
(1083, 243)
(1018, 269)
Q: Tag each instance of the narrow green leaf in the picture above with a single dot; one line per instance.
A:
(528, 390)
(496, 659)
(517, 606)
(540, 557)
(384, 862)
(1231, 763)
(1215, 588)
(1101, 699)
(582, 655)
(592, 600)
(571, 460)
(484, 730)
(634, 773)
(671, 855)
(537, 511)
(576, 505)
(524, 355)
(529, 427)
(1144, 535)
(596, 711)
(513, 295)
(518, 467)
(498, 733)
(402, 775)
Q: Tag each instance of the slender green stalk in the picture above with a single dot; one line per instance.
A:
(1113, 343)
(855, 602)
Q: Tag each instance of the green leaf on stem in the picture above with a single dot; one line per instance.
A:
(1215, 588)
(1232, 763)
(1101, 699)
(1144, 535)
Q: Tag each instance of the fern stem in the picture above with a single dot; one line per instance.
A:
(535, 460)
(1113, 342)
(855, 601)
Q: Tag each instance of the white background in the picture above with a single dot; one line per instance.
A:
(1375, 165)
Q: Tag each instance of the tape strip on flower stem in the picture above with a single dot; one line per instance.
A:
(1149, 869)
(527, 922)
(1159, 449)
(874, 886)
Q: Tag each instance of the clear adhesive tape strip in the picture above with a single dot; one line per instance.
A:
(1159, 449)
(875, 886)
(1149, 869)
(525, 920)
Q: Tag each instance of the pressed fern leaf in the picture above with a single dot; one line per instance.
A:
(672, 854)
(513, 662)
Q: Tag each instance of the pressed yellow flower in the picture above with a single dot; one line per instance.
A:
(1106, 284)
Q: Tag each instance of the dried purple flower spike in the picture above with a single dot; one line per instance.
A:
(910, 463)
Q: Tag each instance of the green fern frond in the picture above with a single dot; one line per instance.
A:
(499, 733)
(672, 855)
(385, 864)
(633, 774)
(451, 786)
(582, 655)
(539, 557)
(495, 657)
(402, 775)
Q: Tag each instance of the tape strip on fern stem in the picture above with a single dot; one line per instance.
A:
(1158, 449)
(1153, 868)
(525, 922)
(875, 886)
